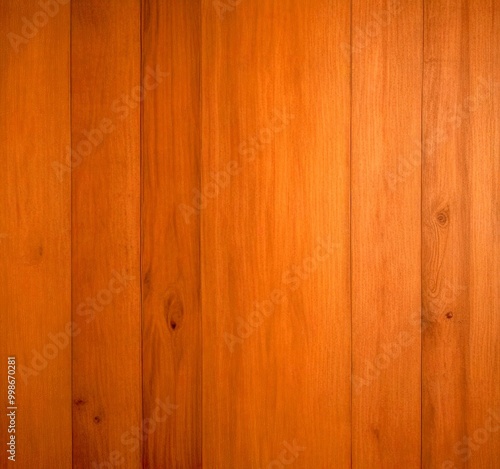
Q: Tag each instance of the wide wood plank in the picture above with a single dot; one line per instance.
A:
(171, 232)
(35, 238)
(275, 234)
(461, 351)
(106, 94)
(386, 131)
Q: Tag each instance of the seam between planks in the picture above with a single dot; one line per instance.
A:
(141, 192)
(200, 225)
(350, 217)
(71, 220)
(422, 81)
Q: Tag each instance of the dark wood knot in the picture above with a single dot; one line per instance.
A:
(174, 310)
(442, 218)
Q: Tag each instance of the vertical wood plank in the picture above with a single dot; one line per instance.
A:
(274, 206)
(35, 238)
(386, 131)
(106, 93)
(171, 233)
(461, 352)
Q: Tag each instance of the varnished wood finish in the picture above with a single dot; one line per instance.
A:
(385, 234)
(107, 397)
(244, 234)
(35, 237)
(171, 237)
(276, 347)
(460, 203)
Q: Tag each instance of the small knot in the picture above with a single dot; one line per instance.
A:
(449, 315)
(33, 255)
(79, 402)
(442, 218)
(173, 309)
(97, 420)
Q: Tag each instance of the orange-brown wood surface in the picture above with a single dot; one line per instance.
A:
(242, 234)
(460, 258)
(105, 122)
(171, 237)
(385, 234)
(35, 236)
(275, 235)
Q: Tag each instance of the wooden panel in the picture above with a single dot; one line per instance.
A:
(386, 130)
(275, 234)
(171, 233)
(313, 238)
(35, 242)
(461, 352)
(107, 404)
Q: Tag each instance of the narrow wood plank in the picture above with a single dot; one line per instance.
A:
(171, 233)
(275, 234)
(461, 351)
(35, 242)
(386, 131)
(106, 97)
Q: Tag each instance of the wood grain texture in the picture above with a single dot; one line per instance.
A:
(461, 352)
(107, 403)
(275, 235)
(385, 233)
(244, 234)
(35, 233)
(171, 235)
